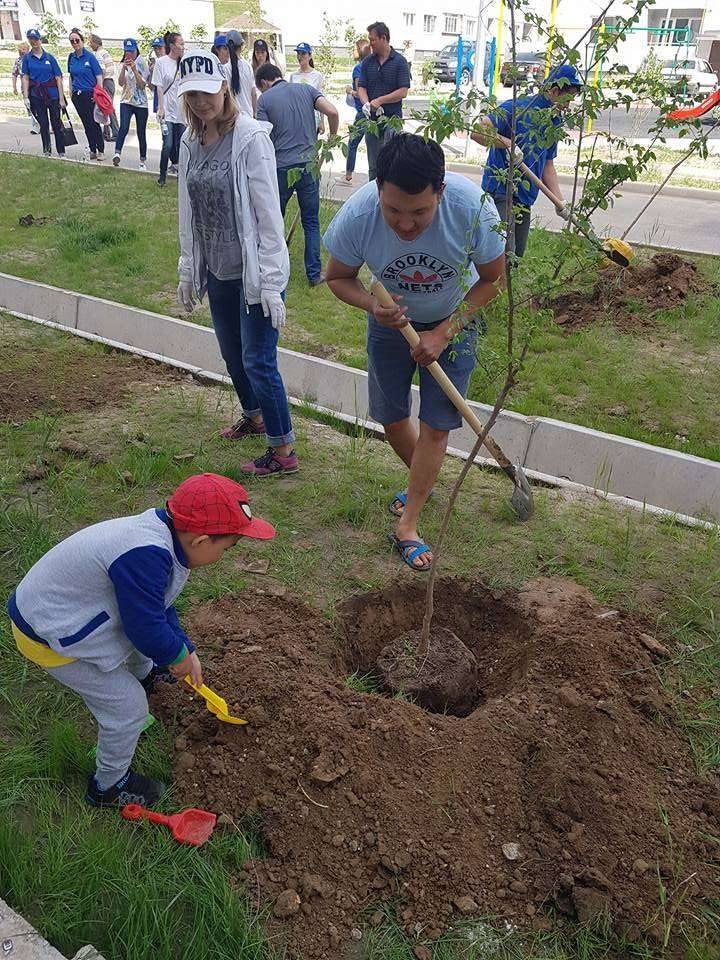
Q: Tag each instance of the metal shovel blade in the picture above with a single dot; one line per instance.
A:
(522, 499)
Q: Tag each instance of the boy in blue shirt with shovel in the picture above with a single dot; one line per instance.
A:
(96, 612)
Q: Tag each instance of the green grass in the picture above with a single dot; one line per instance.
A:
(86, 876)
(116, 235)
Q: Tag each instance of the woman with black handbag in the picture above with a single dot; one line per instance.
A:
(86, 74)
(42, 87)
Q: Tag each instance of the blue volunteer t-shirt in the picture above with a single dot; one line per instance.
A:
(84, 70)
(41, 70)
(536, 134)
(434, 272)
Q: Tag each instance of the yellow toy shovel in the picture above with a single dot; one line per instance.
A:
(215, 704)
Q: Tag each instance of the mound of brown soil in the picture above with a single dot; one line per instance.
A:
(664, 282)
(554, 793)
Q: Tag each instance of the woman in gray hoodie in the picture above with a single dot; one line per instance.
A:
(232, 245)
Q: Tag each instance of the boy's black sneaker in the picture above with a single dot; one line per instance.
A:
(157, 675)
(132, 788)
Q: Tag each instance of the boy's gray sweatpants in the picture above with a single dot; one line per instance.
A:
(118, 702)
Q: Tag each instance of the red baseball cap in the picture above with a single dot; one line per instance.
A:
(210, 504)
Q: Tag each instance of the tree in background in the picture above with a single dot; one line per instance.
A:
(89, 25)
(148, 34)
(199, 33)
(53, 28)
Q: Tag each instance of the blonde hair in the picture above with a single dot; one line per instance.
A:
(23, 48)
(362, 48)
(224, 123)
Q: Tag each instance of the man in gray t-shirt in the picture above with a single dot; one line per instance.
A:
(290, 108)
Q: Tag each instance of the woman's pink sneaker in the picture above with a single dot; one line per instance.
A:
(271, 465)
(245, 427)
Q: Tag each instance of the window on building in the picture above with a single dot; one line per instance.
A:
(470, 26)
(409, 19)
(675, 26)
(36, 6)
(63, 6)
(451, 22)
(429, 23)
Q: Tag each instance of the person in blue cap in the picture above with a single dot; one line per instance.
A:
(308, 74)
(134, 78)
(157, 50)
(538, 128)
(42, 87)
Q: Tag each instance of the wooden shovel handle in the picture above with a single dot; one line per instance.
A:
(446, 384)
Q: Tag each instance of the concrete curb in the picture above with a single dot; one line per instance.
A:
(563, 454)
(21, 941)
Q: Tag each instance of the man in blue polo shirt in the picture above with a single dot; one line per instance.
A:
(42, 88)
(538, 128)
(382, 86)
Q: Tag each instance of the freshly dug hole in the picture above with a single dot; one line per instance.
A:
(444, 681)
(573, 759)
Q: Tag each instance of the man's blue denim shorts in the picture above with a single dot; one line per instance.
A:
(391, 369)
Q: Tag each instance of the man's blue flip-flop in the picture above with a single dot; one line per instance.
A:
(416, 547)
(401, 497)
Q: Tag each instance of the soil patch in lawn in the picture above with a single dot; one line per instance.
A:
(39, 381)
(567, 788)
(630, 298)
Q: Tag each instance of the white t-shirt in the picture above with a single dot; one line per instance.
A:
(247, 82)
(166, 77)
(315, 79)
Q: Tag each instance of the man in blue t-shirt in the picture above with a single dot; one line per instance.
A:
(434, 242)
(43, 94)
(538, 128)
(382, 86)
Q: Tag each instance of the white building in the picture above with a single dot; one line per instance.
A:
(115, 19)
(416, 26)
(422, 29)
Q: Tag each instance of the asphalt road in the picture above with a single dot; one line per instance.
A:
(681, 218)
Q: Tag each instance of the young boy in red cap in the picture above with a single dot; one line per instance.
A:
(96, 612)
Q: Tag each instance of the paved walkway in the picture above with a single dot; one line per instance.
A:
(681, 218)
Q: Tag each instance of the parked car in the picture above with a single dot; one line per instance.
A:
(694, 75)
(529, 69)
(446, 62)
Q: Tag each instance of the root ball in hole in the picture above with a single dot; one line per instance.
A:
(445, 681)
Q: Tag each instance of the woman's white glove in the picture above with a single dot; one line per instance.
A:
(367, 110)
(273, 306)
(26, 101)
(185, 296)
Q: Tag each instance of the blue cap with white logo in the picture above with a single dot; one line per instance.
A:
(158, 42)
(221, 40)
(303, 48)
(563, 76)
(33, 34)
(130, 45)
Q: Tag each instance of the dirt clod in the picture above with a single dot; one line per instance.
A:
(399, 812)
(287, 904)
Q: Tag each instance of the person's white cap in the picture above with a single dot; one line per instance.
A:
(200, 70)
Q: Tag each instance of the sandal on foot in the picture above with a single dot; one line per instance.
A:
(410, 550)
(401, 497)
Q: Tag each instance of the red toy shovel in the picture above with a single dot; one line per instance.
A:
(190, 826)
